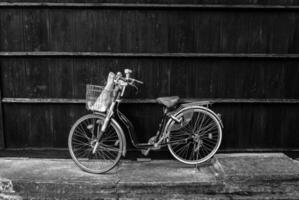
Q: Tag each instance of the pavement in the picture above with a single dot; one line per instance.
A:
(226, 176)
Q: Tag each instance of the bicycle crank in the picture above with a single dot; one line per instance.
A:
(155, 146)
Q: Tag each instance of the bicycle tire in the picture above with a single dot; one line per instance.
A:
(209, 141)
(114, 139)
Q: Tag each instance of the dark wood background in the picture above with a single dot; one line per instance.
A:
(243, 56)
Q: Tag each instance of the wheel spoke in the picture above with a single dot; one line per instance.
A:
(196, 122)
(83, 131)
(182, 149)
(80, 145)
(205, 130)
(109, 137)
(208, 141)
(83, 136)
(80, 142)
(211, 146)
(106, 153)
(108, 148)
(83, 153)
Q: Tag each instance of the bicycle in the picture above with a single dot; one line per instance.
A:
(191, 131)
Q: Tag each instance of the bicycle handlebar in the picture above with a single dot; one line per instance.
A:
(129, 80)
(135, 80)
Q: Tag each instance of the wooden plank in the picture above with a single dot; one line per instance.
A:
(150, 101)
(2, 143)
(164, 31)
(221, 150)
(146, 55)
(148, 6)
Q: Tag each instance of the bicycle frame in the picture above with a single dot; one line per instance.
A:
(125, 122)
(161, 135)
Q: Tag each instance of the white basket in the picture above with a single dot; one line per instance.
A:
(92, 94)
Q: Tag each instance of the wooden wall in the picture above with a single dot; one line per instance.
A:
(243, 56)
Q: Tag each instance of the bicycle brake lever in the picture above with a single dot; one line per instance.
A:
(135, 88)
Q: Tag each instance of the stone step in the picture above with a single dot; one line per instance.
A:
(226, 176)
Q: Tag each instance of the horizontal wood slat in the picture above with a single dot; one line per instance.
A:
(2, 144)
(221, 150)
(146, 55)
(146, 101)
(147, 6)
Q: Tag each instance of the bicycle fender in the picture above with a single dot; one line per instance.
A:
(186, 107)
(124, 150)
(193, 105)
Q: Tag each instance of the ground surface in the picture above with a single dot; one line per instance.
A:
(227, 176)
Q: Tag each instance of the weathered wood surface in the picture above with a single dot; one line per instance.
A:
(148, 31)
(285, 5)
(245, 126)
(150, 101)
(147, 55)
(2, 143)
(234, 54)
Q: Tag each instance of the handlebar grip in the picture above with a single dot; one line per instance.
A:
(140, 82)
(134, 80)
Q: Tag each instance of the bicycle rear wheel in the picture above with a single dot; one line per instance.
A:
(196, 138)
(82, 139)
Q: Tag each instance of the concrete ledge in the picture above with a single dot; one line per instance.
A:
(227, 176)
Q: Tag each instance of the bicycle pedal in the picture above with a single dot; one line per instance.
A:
(144, 159)
(145, 152)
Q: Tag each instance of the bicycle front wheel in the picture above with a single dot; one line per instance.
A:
(196, 138)
(82, 139)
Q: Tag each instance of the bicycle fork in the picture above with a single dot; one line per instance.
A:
(103, 128)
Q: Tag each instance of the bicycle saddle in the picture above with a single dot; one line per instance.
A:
(168, 101)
